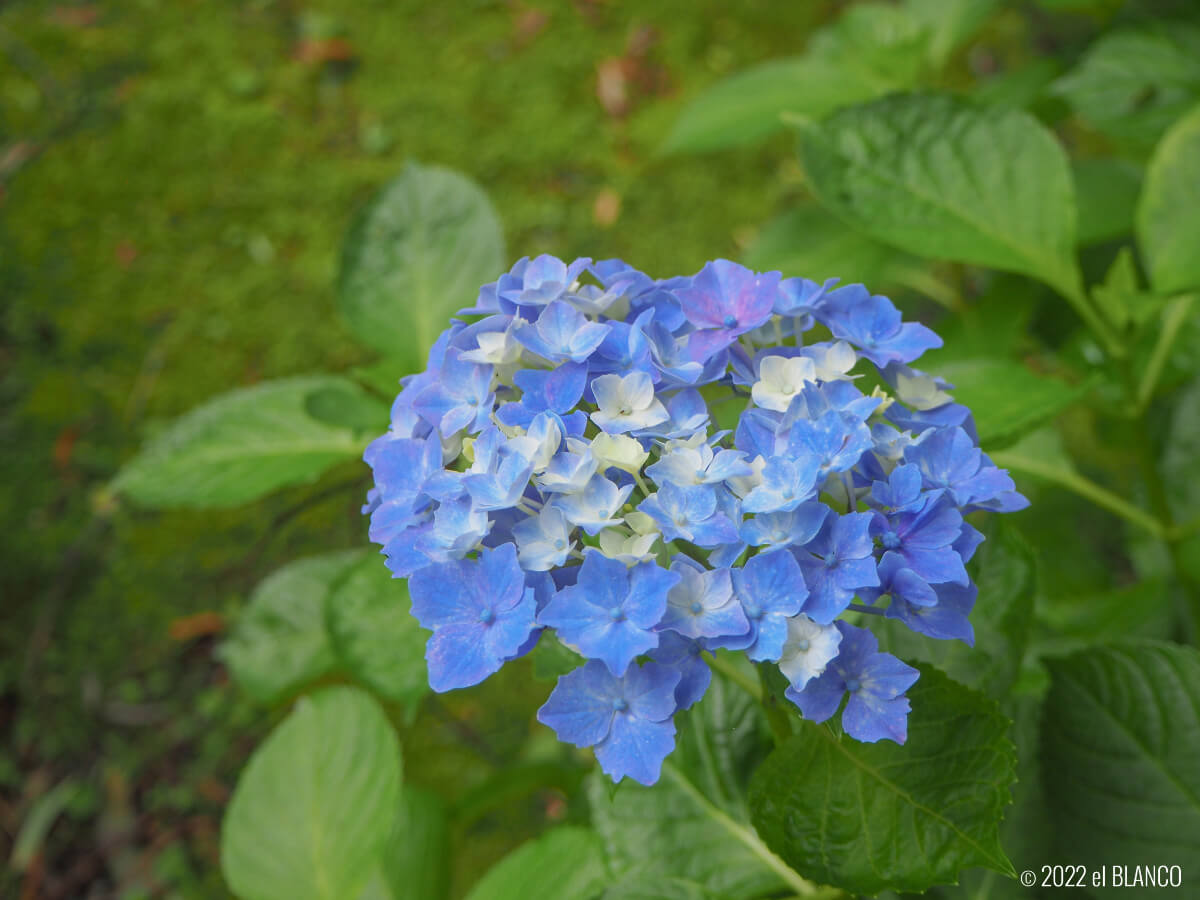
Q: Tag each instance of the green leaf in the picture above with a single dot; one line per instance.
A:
(418, 253)
(1020, 88)
(240, 446)
(552, 659)
(950, 22)
(694, 824)
(565, 863)
(374, 634)
(315, 804)
(415, 860)
(1007, 399)
(666, 889)
(1119, 760)
(1004, 570)
(1131, 84)
(279, 643)
(865, 817)
(1142, 609)
(749, 106)
(1106, 191)
(1168, 216)
(346, 405)
(884, 42)
(942, 179)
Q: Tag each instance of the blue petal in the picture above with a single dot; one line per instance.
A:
(636, 748)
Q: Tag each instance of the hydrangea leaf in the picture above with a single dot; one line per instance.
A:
(1004, 569)
(552, 658)
(1107, 193)
(1007, 399)
(866, 817)
(666, 889)
(240, 446)
(373, 633)
(565, 863)
(315, 805)
(415, 255)
(950, 22)
(279, 642)
(749, 105)
(694, 823)
(937, 177)
(346, 405)
(1168, 216)
(1132, 83)
(1119, 762)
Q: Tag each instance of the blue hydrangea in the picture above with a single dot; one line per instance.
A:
(651, 471)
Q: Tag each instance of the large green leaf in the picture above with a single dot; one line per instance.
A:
(242, 445)
(315, 804)
(749, 105)
(375, 635)
(1168, 216)
(693, 824)
(950, 22)
(867, 817)
(937, 177)
(1133, 83)
(565, 863)
(415, 861)
(1006, 398)
(415, 255)
(1119, 760)
(279, 643)
(1004, 570)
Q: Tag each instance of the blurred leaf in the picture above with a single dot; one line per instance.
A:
(240, 446)
(415, 255)
(39, 819)
(279, 643)
(565, 863)
(810, 243)
(373, 632)
(1006, 398)
(666, 889)
(1106, 192)
(1131, 84)
(865, 817)
(1181, 451)
(749, 105)
(1140, 610)
(315, 805)
(551, 658)
(383, 376)
(951, 23)
(1168, 216)
(415, 861)
(1019, 88)
(693, 824)
(512, 782)
(346, 405)
(1004, 569)
(885, 42)
(1119, 759)
(936, 177)
(1119, 292)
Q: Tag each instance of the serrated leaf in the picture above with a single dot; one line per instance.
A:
(415, 255)
(1119, 760)
(693, 824)
(1106, 192)
(869, 817)
(1131, 84)
(1168, 215)
(278, 643)
(748, 106)
(1006, 398)
(240, 446)
(937, 177)
(374, 634)
(565, 863)
(1004, 569)
(415, 860)
(315, 804)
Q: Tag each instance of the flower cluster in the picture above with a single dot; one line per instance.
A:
(561, 466)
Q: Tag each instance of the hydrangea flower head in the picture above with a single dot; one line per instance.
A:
(653, 471)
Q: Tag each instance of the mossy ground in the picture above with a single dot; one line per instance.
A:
(176, 178)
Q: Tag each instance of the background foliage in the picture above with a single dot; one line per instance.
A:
(176, 184)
